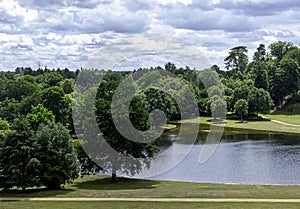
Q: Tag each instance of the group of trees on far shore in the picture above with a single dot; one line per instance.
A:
(39, 145)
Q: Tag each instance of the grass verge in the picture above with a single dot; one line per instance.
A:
(148, 205)
(270, 126)
(99, 186)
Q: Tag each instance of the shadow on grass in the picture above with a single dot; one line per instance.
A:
(38, 192)
(285, 113)
(216, 121)
(120, 184)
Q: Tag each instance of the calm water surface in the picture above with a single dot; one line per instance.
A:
(241, 158)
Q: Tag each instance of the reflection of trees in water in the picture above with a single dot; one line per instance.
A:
(233, 135)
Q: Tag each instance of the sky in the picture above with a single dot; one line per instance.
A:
(68, 33)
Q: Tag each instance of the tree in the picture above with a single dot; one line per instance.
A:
(68, 86)
(259, 101)
(56, 154)
(237, 59)
(87, 165)
(218, 107)
(50, 79)
(18, 167)
(55, 100)
(157, 99)
(260, 54)
(2, 89)
(19, 88)
(4, 129)
(241, 108)
(285, 80)
(38, 115)
(258, 68)
(242, 91)
(140, 153)
(259, 74)
(279, 49)
(10, 109)
(294, 54)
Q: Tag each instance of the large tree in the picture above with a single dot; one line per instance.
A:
(279, 49)
(285, 80)
(237, 60)
(122, 145)
(259, 101)
(19, 88)
(157, 99)
(55, 100)
(56, 155)
(260, 54)
(258, 68)
(18, 167)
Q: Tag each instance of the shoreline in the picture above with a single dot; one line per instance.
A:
(271, 126)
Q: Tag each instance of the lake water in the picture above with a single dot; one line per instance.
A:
(247, 157)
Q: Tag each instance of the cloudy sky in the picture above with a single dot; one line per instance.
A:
(67, 33)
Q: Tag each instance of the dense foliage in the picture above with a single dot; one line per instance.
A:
(36, 109)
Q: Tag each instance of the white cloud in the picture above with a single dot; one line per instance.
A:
(165, 2)
(66, 33)
(12, 12)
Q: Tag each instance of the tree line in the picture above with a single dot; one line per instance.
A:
(38, 142)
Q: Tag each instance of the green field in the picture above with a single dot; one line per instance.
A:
(99, 186)
(285, 117)
(146, 205)
(292, 123)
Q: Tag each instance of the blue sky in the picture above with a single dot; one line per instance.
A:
(67, 33)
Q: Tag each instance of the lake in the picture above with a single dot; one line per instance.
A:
(242, 157)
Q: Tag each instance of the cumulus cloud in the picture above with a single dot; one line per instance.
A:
(66, 33)
(137, 5)
(114, 17)
(12, 12)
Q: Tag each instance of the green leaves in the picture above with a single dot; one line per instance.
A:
(241, 108)
(56, 155)
(16, 154)
(44, 158)
(237, 59)
(39, 114)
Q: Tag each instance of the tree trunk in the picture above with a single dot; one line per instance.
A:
(241, 118)
(113, 175)
(113, 178)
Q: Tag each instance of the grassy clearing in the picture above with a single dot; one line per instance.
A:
(258, 125)
(99, 186)
(148, 205)
(285, 117)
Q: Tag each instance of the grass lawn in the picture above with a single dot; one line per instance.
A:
(259, 125)
(99, 186)
(148, 205)
(285, 117)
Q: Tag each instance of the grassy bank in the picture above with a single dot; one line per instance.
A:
(292, 123)
(99, 186)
